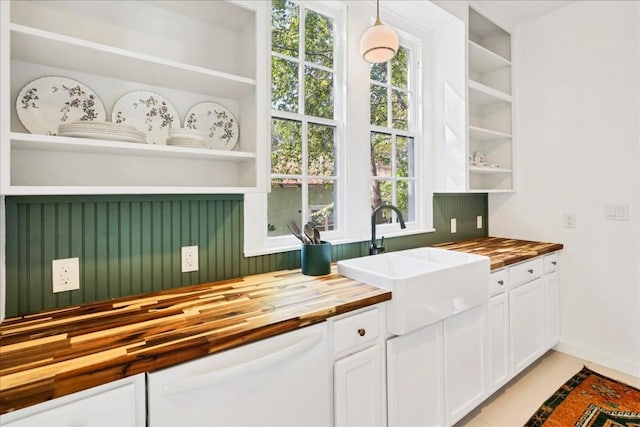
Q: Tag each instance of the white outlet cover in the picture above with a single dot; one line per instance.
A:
(479, 222)
(189, 259)
(454, 225)
(65, 274)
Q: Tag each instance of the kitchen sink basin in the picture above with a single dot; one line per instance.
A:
(427, 284)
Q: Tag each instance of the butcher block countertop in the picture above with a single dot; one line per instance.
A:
(54, 353)
(502, 251)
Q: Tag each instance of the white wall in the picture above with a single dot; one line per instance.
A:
(577, 88)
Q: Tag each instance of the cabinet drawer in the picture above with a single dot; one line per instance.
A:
(354, 331)
(550, 263)
(525, 272)
(498, 281)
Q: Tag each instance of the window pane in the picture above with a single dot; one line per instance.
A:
(284, 85)
(381, 194)
(284, 27)
(284, 204)
(405, 199)
(286, 147)
(378, 102)
(400, 106)
(318, 92)
(404, 157)
(380, 154)
(322, 203)
(400, 68)
(318, 43)
(321, 150)
(379, 72)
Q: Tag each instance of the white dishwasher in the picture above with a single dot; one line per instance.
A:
(279, 381)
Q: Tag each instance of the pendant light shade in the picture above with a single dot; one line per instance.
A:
(379, 43)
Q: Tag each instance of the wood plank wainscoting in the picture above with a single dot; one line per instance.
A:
(130, 245)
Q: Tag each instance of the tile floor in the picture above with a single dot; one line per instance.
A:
(515, 402)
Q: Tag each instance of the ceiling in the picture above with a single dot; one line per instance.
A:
(514, 12)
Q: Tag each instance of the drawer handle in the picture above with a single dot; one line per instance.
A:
(500, 282)
(361, 332)
(554, 262)
(530, 270)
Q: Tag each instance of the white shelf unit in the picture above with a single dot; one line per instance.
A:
(186, 51)
(489, 106)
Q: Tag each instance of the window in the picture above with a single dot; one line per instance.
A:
(304, 129)
(392, 137)
(329, 152)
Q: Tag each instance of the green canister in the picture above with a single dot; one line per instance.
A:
(315, 260)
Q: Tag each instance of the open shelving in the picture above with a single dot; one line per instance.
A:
(489, 106)
(187, 51)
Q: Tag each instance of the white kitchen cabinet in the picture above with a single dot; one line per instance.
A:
(117, 404)
(465, 356)
(489, 106)
(527, 324)
(359, 368)
(477, 149)
(498, 336)
(186, 51)
(551, 301)
(415, 378)
(358, 387)
(278, 381)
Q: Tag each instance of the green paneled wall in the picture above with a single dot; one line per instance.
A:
(130, 245)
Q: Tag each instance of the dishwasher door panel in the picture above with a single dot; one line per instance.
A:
(279, 381)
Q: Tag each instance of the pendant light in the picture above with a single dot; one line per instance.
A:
(379, 43)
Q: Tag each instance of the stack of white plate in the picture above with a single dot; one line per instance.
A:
(102, 130)
(186, 138)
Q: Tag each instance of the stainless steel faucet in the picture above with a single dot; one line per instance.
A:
(373, 247)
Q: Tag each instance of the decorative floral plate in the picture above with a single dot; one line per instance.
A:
(46, 102)
(148, 112)
(218, 124)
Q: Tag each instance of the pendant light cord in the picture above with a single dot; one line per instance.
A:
(378, 22)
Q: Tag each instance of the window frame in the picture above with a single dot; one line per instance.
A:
(354, 192)
(337, 13)
(413, 131)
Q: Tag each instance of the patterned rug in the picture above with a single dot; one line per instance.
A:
(590, 399)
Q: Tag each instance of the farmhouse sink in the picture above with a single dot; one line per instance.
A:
(427, 284)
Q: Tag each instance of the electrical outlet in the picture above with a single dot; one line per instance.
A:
(569, 220)
(189, 258)
(454, 226)
(65, 274)
(479, 222)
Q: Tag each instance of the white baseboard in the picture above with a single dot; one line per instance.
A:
(630, 367)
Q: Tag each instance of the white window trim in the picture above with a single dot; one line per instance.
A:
(354, 196)
(414, 90)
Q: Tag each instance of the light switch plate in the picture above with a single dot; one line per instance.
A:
(479, 222)
(454, 226)
(617, 212)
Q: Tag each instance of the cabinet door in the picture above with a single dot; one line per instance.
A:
(414, 378)
(279, 381)
(527, 324)
(552, 310)
(358, 390)
(465, 351)
(117, 404)
(498, 320)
